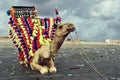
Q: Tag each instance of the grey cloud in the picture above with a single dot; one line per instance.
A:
(91, 27)
(115, 28)
(44, 7)
(92, 30)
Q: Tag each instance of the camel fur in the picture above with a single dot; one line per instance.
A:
(43, 60)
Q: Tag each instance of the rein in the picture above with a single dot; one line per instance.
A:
(53, 55)
(88, 61)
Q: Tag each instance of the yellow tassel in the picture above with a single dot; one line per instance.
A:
(41, 40)
(31, 53)
(20, 23)
(35, 31)
(26, 36)
(21, 62)
(18, 18)
(23, 29)
(51, 25)
(33, 20)
(25, 32)
(36, 28)
(34, 34)
(27, 41)
(22, 26)
(32, 38)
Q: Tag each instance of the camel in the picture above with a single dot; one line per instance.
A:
(43, 60)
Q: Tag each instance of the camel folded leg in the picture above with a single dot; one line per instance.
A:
(52, 68)
(37, 67)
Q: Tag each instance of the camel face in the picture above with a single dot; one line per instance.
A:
(64, 29)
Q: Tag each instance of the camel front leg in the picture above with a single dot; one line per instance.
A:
(52, 68)
(36, 66)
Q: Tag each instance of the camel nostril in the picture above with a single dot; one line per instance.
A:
(74, 28)
(71, 29)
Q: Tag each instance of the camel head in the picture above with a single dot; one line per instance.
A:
(63, 29)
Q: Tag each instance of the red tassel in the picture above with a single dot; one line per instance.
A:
(43, 32)
(30, 22)
(42, 22)
(33, 50)
(54, 20)
(21, 56)
(30, 60)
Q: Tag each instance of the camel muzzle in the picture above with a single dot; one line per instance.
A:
(71, 29)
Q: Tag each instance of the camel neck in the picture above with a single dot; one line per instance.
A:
(57, 43)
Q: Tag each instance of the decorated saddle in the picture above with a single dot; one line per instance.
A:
(28, 32)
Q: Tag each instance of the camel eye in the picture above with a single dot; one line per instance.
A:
(60, 27)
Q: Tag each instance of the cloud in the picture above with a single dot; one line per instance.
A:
(106, 8)
(4, 27)
(95, 20)
(108, 11)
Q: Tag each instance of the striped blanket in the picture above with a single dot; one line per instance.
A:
(30, 33)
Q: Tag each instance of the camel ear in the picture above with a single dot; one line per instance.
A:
(55, 26)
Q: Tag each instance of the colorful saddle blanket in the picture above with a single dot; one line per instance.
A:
(28, 32)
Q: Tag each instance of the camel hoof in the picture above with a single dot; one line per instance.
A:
(53, 70)
(44, 70)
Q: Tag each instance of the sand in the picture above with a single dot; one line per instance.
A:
(69, 62)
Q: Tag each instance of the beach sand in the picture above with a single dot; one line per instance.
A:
(69, 62)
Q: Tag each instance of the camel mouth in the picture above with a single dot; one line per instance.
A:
(71, 29)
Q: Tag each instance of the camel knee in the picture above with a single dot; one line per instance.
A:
(46, 55)
(44, 70)
(37, 67)
(53, 70)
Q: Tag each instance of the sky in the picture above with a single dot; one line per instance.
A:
(95, 20)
